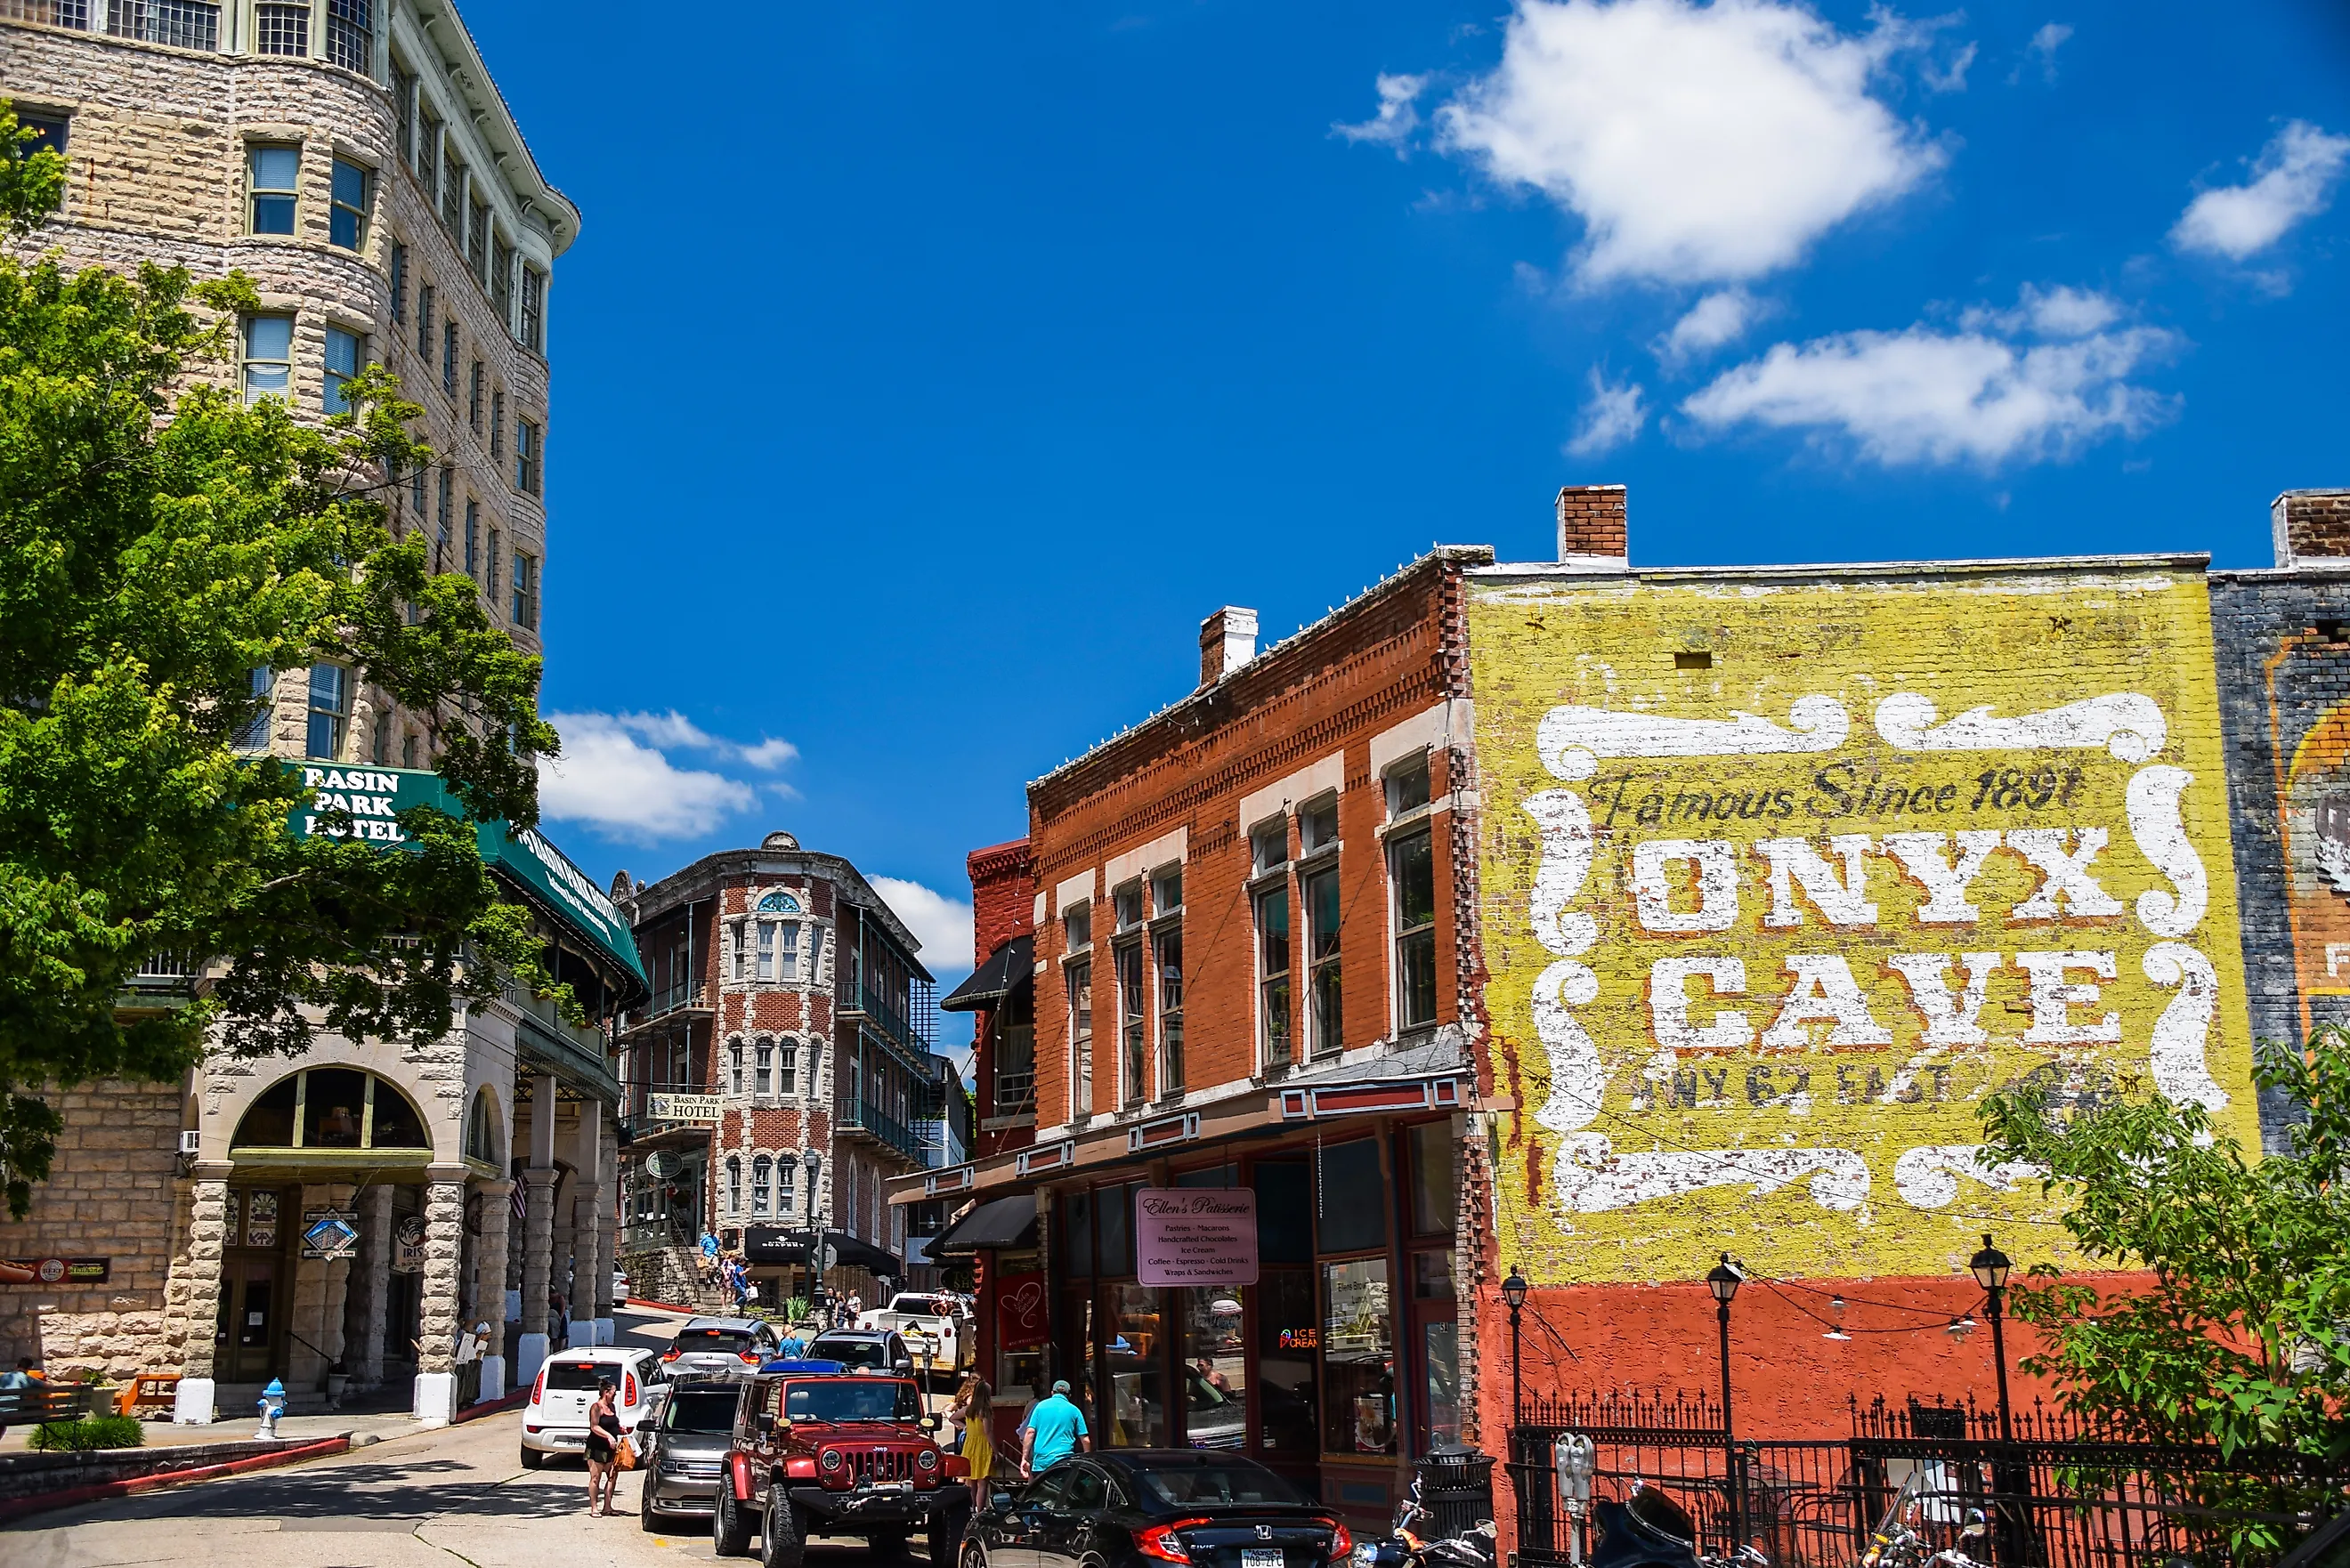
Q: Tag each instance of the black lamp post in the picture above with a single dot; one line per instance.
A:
(1724, 1282)
(815, 1163)
(1514, 1293)
(1990, 1267)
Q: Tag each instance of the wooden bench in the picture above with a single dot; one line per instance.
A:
(44, 1402)
(147, 1389)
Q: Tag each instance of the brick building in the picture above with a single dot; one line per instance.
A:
(780, 1076)
(1592, 920)
(356, 161)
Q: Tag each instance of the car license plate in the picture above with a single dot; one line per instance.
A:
(1260, 1557)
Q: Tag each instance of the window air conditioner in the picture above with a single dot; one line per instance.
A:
(190, 1140)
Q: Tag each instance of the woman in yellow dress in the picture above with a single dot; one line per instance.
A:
(974, 1409)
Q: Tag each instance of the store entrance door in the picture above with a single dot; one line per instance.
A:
(256, 1311)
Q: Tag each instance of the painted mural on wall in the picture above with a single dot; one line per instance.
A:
(2310, 735)
(1781, 877)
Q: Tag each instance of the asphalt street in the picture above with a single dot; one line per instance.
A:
(432, 1500)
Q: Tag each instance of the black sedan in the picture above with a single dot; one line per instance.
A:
(1144, 1508)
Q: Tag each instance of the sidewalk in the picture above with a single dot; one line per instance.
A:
(292, 1430)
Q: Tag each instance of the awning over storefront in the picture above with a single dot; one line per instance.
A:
(1005, 1224)
(766, 1247)
(1007, 968)
(524, 861)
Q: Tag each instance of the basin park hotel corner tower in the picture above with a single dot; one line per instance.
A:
(355, 159)
(1587, 921)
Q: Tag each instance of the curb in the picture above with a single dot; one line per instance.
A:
(491, 1406)
(660, 1306)
(132, 1486)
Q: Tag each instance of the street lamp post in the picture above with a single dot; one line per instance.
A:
(1724, 1282)
(815, 1163)
(1991, 1267)
(1513, 1293)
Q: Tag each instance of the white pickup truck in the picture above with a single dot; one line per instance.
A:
(935, 1328)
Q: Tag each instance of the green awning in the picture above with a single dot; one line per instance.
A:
(526, 861)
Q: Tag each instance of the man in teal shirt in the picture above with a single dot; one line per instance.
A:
(1053, 1430)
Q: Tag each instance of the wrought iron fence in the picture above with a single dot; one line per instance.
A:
(2059, 1495)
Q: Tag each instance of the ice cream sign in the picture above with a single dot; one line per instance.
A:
(1766, 927)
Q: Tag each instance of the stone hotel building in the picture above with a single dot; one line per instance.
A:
(356, 159)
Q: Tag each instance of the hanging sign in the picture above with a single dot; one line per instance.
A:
(408, 1245)
(700, 1109)
(1021, 1321)
(329, 1233)
(1195, 1236)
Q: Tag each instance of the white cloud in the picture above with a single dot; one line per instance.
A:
(1613, 416)
(1397, 119)
(1697, 143)
(2041, 381)
(2292, 180)
(610, 779)
(942, 925)
(674, 729)
(1721, 317)
(2042, 51)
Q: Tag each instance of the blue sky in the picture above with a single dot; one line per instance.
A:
(925, 373)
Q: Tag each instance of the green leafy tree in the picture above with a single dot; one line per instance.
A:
(2241, 1340)
(159, 541)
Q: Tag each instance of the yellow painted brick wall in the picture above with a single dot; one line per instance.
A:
(1767, 738)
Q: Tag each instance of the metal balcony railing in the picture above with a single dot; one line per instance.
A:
(862, 998)
(864, 1115)
(661, 1003)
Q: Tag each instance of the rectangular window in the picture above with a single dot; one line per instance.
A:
(490, 589)
(49, 132)
(1127, 902)
(380, 752)
(498, 423)
(477, 241)
(1346, 1223)
(403, 110)
(786, 1076)
(1274, 1011)
(735, 1181)
(784, 1168)
(735, 1064)
(1408, 787)
(527, 457)
(452, 197)
(1133, 1063)
(329, 705)
(281, 29)
(263, 690)
(424, 302)
(398, 284)
(416, 490)
(1167, 891)
(476, 384)
(1269, 846)
(1411, 874)
(446, 520)
(1078, 927)
(762, 1170)
(272, 174)
(351, 33)
(449, 357)
(182, 24)
(1357, 1353)
(787, 951)
(473, 539)
(428, 151)
(763, 1081)
(1168, 950)
(1080, 981)
(1435, 1179)
(1320, 897)
(502, 264)
(344, 352)
(347, 217)
(269, 364)
(1317, 825)
(525, 590)
(766, 949)
(534, 310)
(408, 750)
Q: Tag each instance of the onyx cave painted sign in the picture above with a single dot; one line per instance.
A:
(373, 799)
(1195, 1236)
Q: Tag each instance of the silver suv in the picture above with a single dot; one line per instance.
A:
(684, 1453)
(720, 1347)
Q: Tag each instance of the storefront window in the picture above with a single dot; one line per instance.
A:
(1284, 1215)
(1435, 1179)
(1113, 1222)
(1354, 1219)
(1135, 1346)
(1077, 1235)
(1215, 1369)
(1357, 1357)
(1440, 1355)
(1286, 1337)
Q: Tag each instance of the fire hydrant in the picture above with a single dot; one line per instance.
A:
(273, 1405)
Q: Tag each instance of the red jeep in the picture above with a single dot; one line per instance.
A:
(833, 1455)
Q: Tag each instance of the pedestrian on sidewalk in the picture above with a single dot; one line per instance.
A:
(604, 1435)
(709, 1258)
(1055, 1429)
(974, 1412)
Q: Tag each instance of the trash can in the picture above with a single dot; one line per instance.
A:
(1457, 1489)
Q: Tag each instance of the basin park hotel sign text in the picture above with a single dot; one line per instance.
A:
(1594, 921)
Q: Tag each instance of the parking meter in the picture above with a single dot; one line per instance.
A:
(1574, 1458)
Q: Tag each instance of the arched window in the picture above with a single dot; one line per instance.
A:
(733, 1184)
(332, 1109)
(482, 1129)
(815, 1065)
(735, 1058)
(765, 1083)
(779, 903)
(785, 1078)
(762, 1176)
(786, 1169)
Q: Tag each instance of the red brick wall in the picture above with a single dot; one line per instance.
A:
(2312, 523)
(1592, 520)
(1376, 664)
(1003, 896)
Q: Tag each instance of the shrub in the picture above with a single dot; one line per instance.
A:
(87, 1434)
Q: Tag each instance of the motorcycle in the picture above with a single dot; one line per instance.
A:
(1649, 1530)
(1899, 1540)
(1405, 1545)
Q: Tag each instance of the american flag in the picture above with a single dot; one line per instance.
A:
(521, 1200)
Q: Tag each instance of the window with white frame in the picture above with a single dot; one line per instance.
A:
(1411, 881)
(766, 949)
(1134, 1060)
(735, 1064)
(764, 1069)
(763, 1179)
(786, 1060)
(268, 366)
(347, 212)
(1317, 825)
(273, 171)
(1125, 903)
(1077, 927)
(1167, 955)
(1275, 1009)
(786, 1170)
(1407, 785)
(1269, 846)
(1080, 978)
(1318, 892)
(738, 958)
(330, 706)
(734, 1184)
(787, 951)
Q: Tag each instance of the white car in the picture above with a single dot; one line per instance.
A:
(934, 1326)
(555, 1419)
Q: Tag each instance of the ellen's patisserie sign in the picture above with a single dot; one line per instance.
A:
(1195, 1236)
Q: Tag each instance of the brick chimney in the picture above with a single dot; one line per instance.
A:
(2311, 525)
(1227, 641)
(1591, 521)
